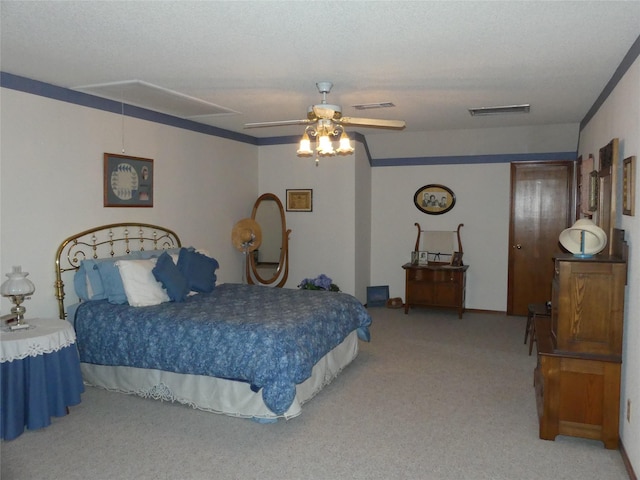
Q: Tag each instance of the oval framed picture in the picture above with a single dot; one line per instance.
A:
(434, 199)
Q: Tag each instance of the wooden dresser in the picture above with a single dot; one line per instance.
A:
(577, 377)
(441, 286)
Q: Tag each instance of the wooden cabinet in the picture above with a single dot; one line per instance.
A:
(589, 305)
(441, 286)
(577, 377)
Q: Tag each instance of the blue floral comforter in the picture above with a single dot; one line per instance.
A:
(268, 337)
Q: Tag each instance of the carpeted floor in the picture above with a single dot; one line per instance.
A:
(431, 397)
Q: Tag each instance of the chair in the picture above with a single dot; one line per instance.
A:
(535, 310)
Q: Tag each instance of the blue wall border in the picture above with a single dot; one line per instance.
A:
(35, 87)
(625, 64)
(474, 159)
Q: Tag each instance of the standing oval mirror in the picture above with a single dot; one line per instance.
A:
(269, 263)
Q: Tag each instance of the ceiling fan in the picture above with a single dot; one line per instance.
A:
(325, 115)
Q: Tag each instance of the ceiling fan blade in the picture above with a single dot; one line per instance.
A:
(277, 123)
(373, 122)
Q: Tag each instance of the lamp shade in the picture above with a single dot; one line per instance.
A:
(583, 238)
(17, 284)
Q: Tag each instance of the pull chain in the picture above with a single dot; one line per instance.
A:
(122, 115)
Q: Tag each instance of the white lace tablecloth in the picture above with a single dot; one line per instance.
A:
(46, 335)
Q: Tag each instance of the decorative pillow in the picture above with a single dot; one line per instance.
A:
(172, 279)
(81, 283)
(94, 280)
(140, 286)
(114, 290)
(103, 279)
(146, 254)
(198, 269)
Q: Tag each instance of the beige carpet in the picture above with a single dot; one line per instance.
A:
(431, 397)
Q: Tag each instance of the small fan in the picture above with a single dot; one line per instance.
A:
(246, 237)
(325, 113)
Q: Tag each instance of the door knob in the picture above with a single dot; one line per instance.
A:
(518, 246)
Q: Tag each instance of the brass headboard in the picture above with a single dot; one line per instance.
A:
(106, 241)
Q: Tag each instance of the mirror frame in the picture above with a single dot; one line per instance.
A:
(282, 271)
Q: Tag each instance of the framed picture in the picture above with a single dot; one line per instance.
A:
(300, 200)
(128, 181)
(593, 191)
(629, 186)
(434, 199)
(456, 259)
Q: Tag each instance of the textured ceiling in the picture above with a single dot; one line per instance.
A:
(433, 60)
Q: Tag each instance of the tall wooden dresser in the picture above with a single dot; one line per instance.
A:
(577, 377)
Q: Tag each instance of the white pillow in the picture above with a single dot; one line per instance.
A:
(140, 285)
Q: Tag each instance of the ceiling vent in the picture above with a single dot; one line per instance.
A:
(482, 111)
(370, 106)
(153, 97)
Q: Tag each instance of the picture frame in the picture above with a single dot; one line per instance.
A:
(128, 181)
(456, 259)
(300, 200)
(434, 199)
(377, 296)
(629, 186)
(593, 191)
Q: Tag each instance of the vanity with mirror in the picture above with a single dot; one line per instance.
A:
(269, 264)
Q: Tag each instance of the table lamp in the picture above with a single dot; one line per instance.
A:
(17, 289)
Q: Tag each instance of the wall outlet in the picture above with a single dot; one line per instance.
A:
(628, 410)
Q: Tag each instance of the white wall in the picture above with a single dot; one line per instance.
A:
(480, 141)
(482, 202)
(321, 241)
(360, 232)
(362, 224)
(482, 205)
(619, 117)
(51, 164)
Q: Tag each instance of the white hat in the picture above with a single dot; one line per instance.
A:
(594, 238)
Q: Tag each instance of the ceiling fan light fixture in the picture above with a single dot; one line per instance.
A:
(345, 147)
(502, 110)
(325, 147)
(304, 150)
(325, 120)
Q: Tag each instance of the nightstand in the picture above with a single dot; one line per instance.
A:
(41, 375)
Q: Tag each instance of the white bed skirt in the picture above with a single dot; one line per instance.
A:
(218, 395)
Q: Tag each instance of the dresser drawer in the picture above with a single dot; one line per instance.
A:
(439, 276)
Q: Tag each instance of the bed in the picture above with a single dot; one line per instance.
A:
(242, 350)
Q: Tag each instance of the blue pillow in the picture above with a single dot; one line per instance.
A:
(93, 275)
(146, 254)
(199, 270)
(167, 273)
(80, 280)
(110, 287)
(112, 282)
